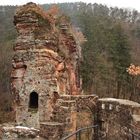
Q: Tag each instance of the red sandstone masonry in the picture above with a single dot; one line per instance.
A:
(45, 61)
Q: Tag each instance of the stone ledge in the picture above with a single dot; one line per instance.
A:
(51, 123)
(120, 101)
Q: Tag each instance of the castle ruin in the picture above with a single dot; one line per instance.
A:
(46, 85)
(45, 78)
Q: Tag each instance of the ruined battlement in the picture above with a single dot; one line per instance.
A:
(112, 104)
(118, 118)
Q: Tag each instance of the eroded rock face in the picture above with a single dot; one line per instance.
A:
(46, 61)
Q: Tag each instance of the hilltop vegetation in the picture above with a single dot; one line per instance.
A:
(113, 39)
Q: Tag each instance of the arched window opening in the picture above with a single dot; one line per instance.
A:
(25, 67)
(33, 101)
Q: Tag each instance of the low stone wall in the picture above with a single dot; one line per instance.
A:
(115, 118)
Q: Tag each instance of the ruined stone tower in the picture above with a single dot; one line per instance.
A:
(45, 84)
(46, 62)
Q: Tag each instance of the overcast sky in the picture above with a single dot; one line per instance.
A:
(120, 3)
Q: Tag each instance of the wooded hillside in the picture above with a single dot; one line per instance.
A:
(113, 43)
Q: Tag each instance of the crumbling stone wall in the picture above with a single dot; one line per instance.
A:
(46, 61)
(70, 113)
(116, 118)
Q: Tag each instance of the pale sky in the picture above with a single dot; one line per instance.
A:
(119, 3)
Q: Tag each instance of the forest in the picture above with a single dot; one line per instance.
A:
(112, 44)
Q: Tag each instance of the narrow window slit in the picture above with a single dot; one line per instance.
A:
(33, 101)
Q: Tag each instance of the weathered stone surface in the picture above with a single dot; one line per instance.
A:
(74, 112)
(45, 61)
(11, 132)
(52, 130)
(118, 118)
